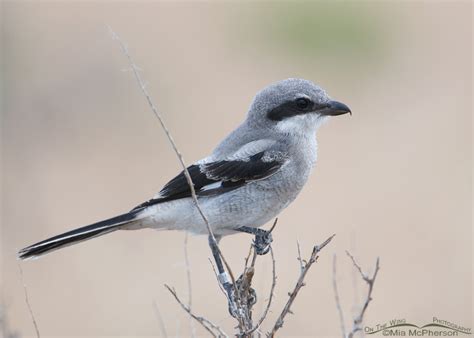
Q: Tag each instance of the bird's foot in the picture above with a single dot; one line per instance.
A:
(246, 298)
(248, 295)
(262, 242)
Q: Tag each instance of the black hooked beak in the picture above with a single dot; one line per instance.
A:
(335, 108)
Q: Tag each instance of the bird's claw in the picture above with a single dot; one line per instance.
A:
(262, 242)
(250, 298)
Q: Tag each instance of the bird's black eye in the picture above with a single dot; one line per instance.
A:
(302, 102)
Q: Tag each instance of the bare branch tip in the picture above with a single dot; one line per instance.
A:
(274, 225)
(327, 241)
(27, 301)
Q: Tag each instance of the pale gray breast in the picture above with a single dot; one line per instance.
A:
(256, 203)
(279, 190)
(293, 176)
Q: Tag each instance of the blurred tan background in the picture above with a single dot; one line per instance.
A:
(80, 144)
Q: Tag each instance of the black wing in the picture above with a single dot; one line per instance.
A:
(219, 177)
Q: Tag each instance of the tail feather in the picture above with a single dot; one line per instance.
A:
(76, 236)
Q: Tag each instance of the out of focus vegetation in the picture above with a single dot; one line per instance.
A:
(316, 30)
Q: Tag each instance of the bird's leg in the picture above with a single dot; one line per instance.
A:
(262, 241)
(224, 279)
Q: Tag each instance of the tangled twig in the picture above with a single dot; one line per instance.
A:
(357, 325)
(206, 323)
(270, 297)
(305, 266)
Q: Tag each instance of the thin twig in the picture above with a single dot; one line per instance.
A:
(190, 286)
(355, 278)
(270, 297)
(273, 225)
(370, 282)
(160, 319)
(302, 263)
(27, 300)
(247, 293)
(251, 250)
(336, 296)
(357, 266)
(299, 285)
(206, 323)
(155, 111)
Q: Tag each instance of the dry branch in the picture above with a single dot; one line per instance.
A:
(336, 296)
(270, 297)
(247, 293)
(27, 300)
(206, 323)
(358, 320)
(305, 266)
(244, 294)
(155, 111)
(141, 83)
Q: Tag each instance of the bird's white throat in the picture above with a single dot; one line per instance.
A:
(303, 125)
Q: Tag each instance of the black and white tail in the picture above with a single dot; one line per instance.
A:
(77, 235)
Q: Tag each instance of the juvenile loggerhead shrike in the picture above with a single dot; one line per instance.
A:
(252, 175)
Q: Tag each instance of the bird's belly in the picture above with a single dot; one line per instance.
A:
(252, 206)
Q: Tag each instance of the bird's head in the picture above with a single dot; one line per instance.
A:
(294, 106)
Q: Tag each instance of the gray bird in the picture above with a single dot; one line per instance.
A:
(252, 175)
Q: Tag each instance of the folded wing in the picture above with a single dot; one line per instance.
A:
(219, 177)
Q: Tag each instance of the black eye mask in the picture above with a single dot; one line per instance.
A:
(288, 109)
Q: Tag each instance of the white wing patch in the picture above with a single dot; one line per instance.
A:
(211, 186)
(250, 149)
(242, 154)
